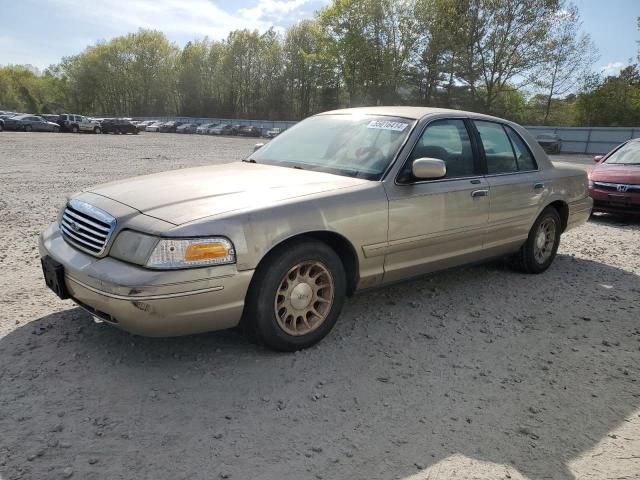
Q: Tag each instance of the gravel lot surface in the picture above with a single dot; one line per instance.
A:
(473, 373)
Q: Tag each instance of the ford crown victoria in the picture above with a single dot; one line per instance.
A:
(343, 201)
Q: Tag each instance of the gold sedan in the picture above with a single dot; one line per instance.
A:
(343, 201)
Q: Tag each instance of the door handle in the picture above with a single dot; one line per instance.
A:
(480, 193)
(538, 186)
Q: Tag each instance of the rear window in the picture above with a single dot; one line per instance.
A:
(504, 149)
(497, 148)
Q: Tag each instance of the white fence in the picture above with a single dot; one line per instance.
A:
(588, 140)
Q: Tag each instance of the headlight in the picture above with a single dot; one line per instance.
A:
(194, 252)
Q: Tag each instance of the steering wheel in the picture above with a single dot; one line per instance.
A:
(368, 153)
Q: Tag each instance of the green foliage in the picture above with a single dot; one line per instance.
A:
(520, 59)
(23, 89)
(614, 102)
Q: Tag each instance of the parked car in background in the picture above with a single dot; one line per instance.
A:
(78, 123)
(170, 127)
(142, 126)
(7, 122)
(273, 133)
(154, 127)
(224, 129)
(187, 128)
(3, 116)
(118, 126)
(249, 131)
(30, 123)
(204, 128)
(347, 200)
(550, 142)
(49, 117)
(6, 115)
(614, 183)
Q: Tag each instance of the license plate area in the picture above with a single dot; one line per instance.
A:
(618, 199)
(53, 272)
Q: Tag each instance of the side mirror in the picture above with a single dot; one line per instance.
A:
(258, 146)
(428, 168)
(597, 158)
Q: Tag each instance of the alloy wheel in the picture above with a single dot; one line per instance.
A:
(544, 240)
(304, 298)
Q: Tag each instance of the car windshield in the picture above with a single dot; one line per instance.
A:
(627, 154)
(351, 145)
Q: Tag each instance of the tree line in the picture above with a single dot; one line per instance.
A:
(527, 60)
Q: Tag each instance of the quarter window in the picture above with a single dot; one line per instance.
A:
(446, 140)
(524, 158)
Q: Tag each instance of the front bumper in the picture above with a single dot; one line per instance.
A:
(149, 302)
(612, 202)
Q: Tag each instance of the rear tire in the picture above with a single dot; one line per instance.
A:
(538, 252)
(295, 297)
(74, 129)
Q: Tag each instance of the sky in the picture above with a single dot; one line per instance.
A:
(41, 32)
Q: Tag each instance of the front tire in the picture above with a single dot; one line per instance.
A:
(296, 296)
(97, 130)
(75, 129)
(27, 128)
(539, 251)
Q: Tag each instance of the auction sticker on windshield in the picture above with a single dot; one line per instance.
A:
(386, 125)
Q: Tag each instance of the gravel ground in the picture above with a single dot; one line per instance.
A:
(473, 373)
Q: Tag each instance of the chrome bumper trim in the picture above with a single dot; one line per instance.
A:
(142, 298)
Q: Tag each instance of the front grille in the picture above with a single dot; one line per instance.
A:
(87, 227)
(617, 187)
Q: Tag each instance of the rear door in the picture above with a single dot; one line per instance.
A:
(438, 223)
(39, 124)
(515, 183)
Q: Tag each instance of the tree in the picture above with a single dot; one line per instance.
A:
(372, 42)
(614, 101)
(505, 41)
(569, 59)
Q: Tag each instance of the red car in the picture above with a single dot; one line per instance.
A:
(614, 183)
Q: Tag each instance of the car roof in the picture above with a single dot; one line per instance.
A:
(414, 113)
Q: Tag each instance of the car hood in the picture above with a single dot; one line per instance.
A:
(616, 173)
(182, 196)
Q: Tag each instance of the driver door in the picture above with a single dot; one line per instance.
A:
(437, 223)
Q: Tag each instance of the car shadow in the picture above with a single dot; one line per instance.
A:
(523, 371)
(616, 219)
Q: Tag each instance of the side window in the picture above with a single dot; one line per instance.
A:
(524, 157)
(446, 140)
(497, 148)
